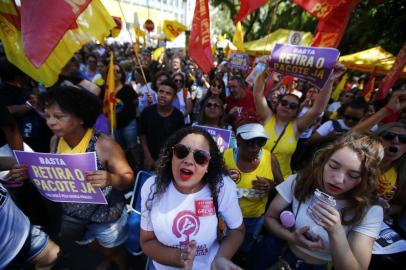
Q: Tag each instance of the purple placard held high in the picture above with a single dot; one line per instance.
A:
(238, 61)
(220, 136)
(312, 64)
(61, 177)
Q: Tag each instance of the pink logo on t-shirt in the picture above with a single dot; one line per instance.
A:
(185, 224)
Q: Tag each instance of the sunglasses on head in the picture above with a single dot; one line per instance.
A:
(389, 136)
(181, 151)
(260, 142)
(351, 118)
(212, 105)
(290, 105)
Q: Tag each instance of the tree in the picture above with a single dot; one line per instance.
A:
(372, 23)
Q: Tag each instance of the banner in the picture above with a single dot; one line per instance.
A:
(172, 29)
(321, 9)
(199, 43)
(238, 61)
(331, 30)
(369, 88)
(61, 178)
(393, 74)
(39, 43)
(247, 7)
(109, 103)
(308, 63)
(221, 136)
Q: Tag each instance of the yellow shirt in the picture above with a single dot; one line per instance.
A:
(64, 148)
(251, 202)
(387, 184)
(286, 145)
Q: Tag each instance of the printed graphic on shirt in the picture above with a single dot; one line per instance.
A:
(204, 208)
(185, 224)
(235, 175)
(3, 195)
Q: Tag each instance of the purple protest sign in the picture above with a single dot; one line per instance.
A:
(60, 177)
(219, 135)
(312, 64)
(238, 61)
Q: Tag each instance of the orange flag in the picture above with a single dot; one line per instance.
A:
(109, 105)
(247, 7)
(43, 37)
(199, 43)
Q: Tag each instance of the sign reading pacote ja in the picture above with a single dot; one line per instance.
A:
(312, 64)
(61, 178)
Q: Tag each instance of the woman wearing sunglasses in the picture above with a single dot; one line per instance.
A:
(284, 121)
(255, 171)
(336, 213)
(182, 204)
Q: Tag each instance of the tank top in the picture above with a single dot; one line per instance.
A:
(97, 213)
(251, 202)
(285, 147)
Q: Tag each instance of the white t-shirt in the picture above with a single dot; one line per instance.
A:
(333, 107)
(369, 226)
(179, 103)
(328, 127)
(177, 218)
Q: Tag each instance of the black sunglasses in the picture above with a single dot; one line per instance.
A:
(290, 105)
(352, 118)
(212, 105)
(178, 80)
(260, 142)
(181, 151)
(389, 136)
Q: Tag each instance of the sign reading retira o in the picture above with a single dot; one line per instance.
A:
(312, 64)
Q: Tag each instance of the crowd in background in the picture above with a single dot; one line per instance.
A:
(285, 133)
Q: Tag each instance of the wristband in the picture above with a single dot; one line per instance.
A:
(29, 105)
(390, 110)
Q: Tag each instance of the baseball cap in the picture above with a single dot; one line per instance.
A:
(252, 130)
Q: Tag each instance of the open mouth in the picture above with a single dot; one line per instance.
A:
(185, 174)
(393, 149)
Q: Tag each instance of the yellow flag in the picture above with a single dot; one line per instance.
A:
(227, 51)
(139, 32)
(156, 55)
(172, 29)
(238, 38)
(93, 22)
(340, 87)
(109, 104)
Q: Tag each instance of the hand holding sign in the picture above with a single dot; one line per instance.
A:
(99, 178)
(19, 172)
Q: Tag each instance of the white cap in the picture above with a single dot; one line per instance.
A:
(252, 130)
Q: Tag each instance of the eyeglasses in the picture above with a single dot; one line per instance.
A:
(178, 80)
(389, 136)
(352, 118)
(212, 105)
(117, 71)
(290, 105)
(260, 142)
(201, 157)
(216, 85)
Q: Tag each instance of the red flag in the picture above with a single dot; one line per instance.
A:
(367, 93)
(393, 74)
(247, 7)
(321, 9)
(43, 24)
(331, 30)
(199, 44)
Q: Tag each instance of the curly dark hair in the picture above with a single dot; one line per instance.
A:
(81, 103)
(215, 171)
(370, 151)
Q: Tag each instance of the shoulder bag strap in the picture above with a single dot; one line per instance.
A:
(279, 138)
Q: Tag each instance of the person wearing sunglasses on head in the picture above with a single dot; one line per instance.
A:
(255, 171)
(283, 127)
(352, 113)
(182, 205)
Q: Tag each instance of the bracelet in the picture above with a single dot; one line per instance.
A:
(390, 110)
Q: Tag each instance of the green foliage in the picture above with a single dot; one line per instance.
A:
(370, 24)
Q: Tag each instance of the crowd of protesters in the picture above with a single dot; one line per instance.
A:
(289, 140)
